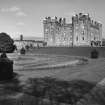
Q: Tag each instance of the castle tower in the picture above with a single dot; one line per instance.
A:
(100, 33)
(85, 30)
(50, 30)
(80, 29)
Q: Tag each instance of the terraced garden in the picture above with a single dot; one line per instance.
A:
(44, 79)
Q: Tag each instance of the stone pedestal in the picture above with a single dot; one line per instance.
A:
(6, 69)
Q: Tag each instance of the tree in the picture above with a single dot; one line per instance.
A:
(6, 43)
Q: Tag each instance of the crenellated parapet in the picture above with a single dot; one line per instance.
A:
(85, 18)
(59, 21)
(95, 24)
(80, 17)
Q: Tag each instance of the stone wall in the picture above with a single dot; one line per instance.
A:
(72, 51)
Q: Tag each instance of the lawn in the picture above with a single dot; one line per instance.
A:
(53, 85)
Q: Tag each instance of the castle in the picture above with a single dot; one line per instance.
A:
(83, 31)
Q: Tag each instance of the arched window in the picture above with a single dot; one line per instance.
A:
(82, 38)
(83, 32)
(77, 38)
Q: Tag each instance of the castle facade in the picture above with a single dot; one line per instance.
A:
(83, 31)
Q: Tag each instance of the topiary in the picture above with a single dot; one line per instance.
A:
(6, 43)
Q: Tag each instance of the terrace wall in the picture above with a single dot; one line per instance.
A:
(72, 51)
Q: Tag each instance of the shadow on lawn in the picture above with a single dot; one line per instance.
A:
(9, 88)
(51, 91)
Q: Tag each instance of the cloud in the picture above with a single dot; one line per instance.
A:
(14, 9)
(11, 9)
(20, 13)
(20, 24)
(4, 10)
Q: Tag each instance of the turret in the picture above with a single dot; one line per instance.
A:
(75, 19)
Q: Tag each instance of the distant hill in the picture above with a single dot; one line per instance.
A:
(31, 38)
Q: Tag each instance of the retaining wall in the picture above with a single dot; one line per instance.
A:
(72, 51)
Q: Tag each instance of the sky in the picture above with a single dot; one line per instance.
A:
(26, 16)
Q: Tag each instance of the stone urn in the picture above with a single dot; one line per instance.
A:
(6, 67)
(22, 51)
(94, 54)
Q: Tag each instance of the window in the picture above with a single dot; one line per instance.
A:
(46, 30)
(82, 38)
(76, 27)
(77, 38)
(83, 32)
(82, 26)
